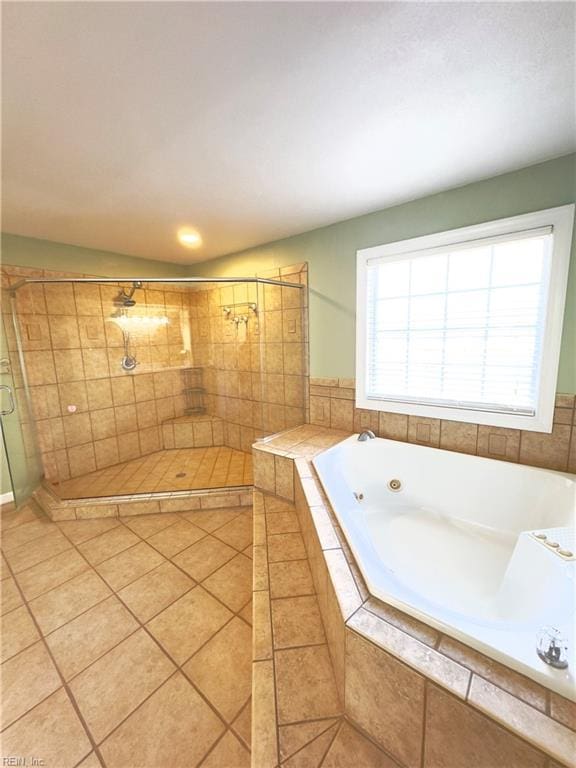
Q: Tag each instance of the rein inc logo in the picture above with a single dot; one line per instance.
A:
(22, 762)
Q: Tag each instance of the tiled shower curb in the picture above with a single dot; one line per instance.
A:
(139, 504)
(492, 699)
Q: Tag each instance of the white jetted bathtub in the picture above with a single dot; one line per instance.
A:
(482, 550)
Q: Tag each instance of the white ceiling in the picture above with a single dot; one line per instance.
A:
(254, 121)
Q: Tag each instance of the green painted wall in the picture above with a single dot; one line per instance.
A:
(45, 254)
(331, 254)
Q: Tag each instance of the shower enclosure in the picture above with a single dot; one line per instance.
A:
(142, 386)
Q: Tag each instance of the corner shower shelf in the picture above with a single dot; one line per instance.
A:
(193, 390)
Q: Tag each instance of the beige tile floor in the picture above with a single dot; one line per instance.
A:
(168, 470)
(126, 643)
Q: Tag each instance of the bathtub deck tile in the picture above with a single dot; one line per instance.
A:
(403, 621)
(345, 587)
(419, 656)
(523, 720)
(518, 685)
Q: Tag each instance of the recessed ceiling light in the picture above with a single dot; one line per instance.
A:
(189, 238)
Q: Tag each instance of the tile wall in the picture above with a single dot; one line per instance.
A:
(72, 352)
(332, 404)
(255, 373)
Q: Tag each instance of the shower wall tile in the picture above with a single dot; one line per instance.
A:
(128, 446)
(252, 372)
(255, 376)
(73, 394)
(72, 352)
(69, 365)
(81, 459)
(125, 417)
(103, 423)
(60, 299)
(40, 368)
(64, 331)
(122, 390)
(150, 440)
(144, 387)
(30, 299)
(99, 393)
(88, 300)
(106, 452)
(45, 401)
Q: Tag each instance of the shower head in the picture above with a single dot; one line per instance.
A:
(125, 299)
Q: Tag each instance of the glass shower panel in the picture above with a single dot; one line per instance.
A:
(283, 356)
(18, 426)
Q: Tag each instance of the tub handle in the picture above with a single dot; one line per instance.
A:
(552, 647)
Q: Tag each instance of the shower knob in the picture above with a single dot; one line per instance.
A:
(552, 647)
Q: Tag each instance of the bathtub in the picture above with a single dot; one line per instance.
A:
(457, 542)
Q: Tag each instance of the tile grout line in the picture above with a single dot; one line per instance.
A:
(162, 649)
(307, 560)
(274, 678)
(179, 669)
(64, 685)
(115, 593)
(94, 568)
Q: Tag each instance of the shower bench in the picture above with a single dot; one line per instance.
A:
(193, 431)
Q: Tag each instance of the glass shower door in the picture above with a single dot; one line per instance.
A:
(18, 432)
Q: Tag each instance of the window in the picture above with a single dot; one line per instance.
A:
(466, 324)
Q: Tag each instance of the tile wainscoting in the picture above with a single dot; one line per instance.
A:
(332, 404)
(423, 698)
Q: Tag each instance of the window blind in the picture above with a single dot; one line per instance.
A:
(460, 326)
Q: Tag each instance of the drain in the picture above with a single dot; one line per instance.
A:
(181, 474)
(395, 485)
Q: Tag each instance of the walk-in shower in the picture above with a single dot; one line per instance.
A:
(154, 385)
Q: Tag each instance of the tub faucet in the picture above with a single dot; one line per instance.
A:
(366, 435)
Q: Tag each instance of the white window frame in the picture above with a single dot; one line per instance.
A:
(561, 220)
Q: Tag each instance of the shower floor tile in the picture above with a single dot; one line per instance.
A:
(157, 670)
(168, 470)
